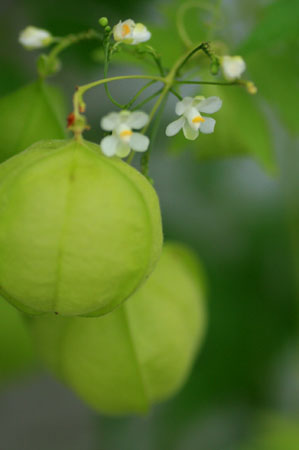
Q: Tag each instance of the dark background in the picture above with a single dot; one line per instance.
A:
(241, 219)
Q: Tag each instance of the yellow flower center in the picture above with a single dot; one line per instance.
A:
(198, 119)
(125, 29)
(125, 133)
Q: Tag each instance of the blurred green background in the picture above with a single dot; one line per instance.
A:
(233, 197)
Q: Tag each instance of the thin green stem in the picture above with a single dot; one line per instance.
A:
(88, 86)
(67, 41)
(148, 99)
(157, 59)
(108, 53)
(130, 157)
(143, 102)
(204, 46)
(146, 157)
(81, 90)
(218, 83)
(155, 107)
(176, 94)
(106, 66)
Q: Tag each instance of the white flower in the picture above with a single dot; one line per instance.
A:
(32, 37)
(232, 67)
(123, 139)
(131, 32)
(191, 120)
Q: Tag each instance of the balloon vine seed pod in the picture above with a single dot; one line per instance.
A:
(79, 232)
(142, 352)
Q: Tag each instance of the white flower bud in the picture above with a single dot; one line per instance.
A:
(232, 67)
(32, 38)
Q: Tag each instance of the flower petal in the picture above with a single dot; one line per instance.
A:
(108, 145)
(123, 31)
(181, 106)
(140, 33)
(232, 67)
(137, 120)
(109, 122)
(139, 142)
(174, 127)
(207, 127)
(210, 105)
(189, 132)
(122, 149)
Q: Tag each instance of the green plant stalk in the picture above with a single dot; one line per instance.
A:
(138, 93)
(215, 83)
(106, 66)
(69, 40)
(145, 158)
(169, 81)
(153, 96)
(80, 91)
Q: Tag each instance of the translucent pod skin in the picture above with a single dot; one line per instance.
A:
(139, 354)
(79, 232)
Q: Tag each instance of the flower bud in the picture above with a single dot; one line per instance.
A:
(251, 88)
(232, 67)
(139, 354)
(214, 67)
(32, 38)
(103, 21)
(79, 232)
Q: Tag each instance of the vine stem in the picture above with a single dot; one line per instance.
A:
(218, 83)
(169, 81)
(80, 91)
(146, 157)
(145, 128)
(69, 40)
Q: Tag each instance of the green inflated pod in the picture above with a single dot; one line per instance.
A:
(139, 354)
(79, 232)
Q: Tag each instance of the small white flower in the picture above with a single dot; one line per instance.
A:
(32, 38)
(130, 32)
(123, 139)
(191, 121)
(232, 67)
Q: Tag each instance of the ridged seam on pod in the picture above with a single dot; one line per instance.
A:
(79, 231)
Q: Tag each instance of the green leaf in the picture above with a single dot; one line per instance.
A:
(32, 113)
(241, 130)
(279, 23)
